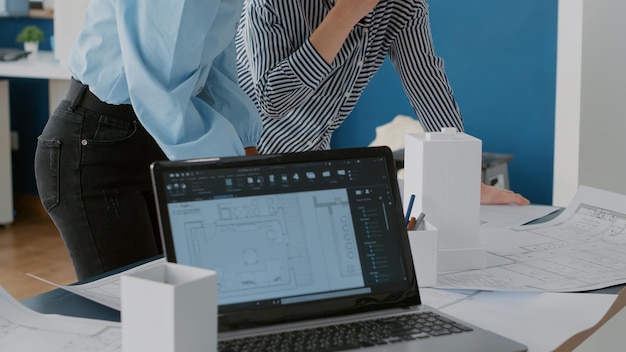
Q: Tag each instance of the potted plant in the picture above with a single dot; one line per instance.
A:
(30, 36)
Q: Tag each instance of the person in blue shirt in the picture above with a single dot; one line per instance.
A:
(152, 80)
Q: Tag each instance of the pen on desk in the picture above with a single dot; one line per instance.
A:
(419, 222)
(407, 217)
(410, 226)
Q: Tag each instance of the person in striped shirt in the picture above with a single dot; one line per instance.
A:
(305, 63)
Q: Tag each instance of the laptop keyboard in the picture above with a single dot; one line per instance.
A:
(358, 334)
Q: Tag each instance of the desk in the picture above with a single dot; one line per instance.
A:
(41, 66)
(62, 302)
(66, 303)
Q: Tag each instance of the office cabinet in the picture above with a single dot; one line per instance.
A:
(6, 179)
(589, 141)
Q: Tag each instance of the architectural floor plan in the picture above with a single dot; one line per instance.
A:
(584, 248)
(262, 245)
(22, 329)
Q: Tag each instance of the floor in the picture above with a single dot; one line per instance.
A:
(32, 245)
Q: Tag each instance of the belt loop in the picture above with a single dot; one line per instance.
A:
(77, 97)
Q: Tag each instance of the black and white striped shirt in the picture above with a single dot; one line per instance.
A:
(302, 99)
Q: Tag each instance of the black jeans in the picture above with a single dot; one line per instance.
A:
(92, 174)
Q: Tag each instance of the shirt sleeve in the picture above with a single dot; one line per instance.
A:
(223, 93)
(423, 76)
(175, 56)
(283, 74)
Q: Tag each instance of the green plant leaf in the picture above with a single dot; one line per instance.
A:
(30, 34)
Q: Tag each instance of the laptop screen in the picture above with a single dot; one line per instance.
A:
(290, 236)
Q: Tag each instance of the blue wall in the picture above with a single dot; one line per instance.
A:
(500, 57)
(29, 105)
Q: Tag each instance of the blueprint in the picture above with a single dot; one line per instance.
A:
(270, 246)
(498, 216)
(584, 248)
(22, 329)
(107, 290)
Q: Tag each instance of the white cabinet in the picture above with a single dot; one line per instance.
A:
(6, 179)
(590, 120)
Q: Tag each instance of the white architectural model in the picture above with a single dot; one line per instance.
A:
(443, 169)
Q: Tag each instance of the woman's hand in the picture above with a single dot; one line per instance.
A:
(496, 195)
(251, 151)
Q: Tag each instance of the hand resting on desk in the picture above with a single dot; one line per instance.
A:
(251, 151)
(491, 195)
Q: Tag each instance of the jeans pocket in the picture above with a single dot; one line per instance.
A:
(110, 129)
(47, 171)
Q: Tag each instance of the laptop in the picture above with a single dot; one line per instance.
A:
(311, 253)
(9, 54)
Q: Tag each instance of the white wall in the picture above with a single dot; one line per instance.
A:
(590, 126)
(69, 16)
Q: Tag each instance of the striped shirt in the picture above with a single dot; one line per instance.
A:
(303, 99)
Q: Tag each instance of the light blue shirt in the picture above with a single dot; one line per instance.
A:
(174, 61)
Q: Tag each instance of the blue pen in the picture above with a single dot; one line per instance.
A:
(407, 217)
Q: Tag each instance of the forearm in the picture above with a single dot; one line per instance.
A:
(329, 36)
(423, 76)
(293, 81)
(283, 66)
(277, 64)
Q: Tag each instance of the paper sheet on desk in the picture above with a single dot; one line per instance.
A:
(584, 248)
(503, 216)
(22, 329)
(105, 291)
(540, 320)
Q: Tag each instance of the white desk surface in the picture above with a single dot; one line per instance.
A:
(42, 66)
(609, 337)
